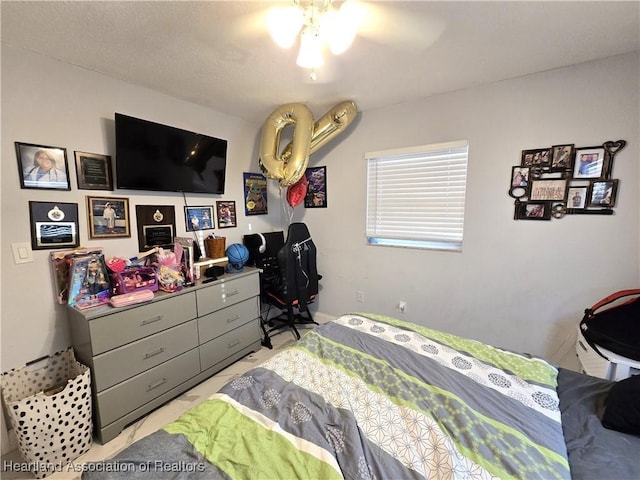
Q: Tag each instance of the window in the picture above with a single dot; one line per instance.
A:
(415, 196)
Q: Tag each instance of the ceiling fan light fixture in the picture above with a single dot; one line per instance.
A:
(284, 24)
(310, 55)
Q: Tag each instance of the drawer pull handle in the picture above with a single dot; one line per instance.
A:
(154, 353)
(151, 320)
(231, 294)
(582, 345)
(234, 343)
(230, 320)
(157, 384)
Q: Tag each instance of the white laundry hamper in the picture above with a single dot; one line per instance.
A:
(50, 411)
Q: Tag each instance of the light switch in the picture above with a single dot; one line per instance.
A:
(22, 253)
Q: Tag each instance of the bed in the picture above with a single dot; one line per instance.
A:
(371, 397)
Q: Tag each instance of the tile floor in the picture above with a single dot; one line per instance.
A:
(159, 417)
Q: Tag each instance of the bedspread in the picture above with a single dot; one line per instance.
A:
(368, 397)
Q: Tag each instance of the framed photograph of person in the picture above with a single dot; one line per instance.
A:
(198, 218)
(539, 158)
(589, 162)
(603, 193)
(42, 167)
(519, 181)
(94, 171)
(533, 211)
(316, 196)
(226, 214)
(549, 190)
(108, 217)
(562, 158)
(53, 225)
(577, 197)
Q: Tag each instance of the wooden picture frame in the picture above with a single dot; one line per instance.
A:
(533, 211)
(108, 217)
(94, 171)
(226, 212)
(549, 190)
(536, 158)
(589, 162)
(42, 167)
(53, 225)
(562, 157)
(198, 218)
(316, 196)
(602, 193)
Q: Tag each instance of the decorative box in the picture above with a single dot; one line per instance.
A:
(135, 279)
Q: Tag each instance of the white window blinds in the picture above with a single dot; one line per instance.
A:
(415, 196)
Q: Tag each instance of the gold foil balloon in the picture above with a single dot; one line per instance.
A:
(288, 171)
(289, 166)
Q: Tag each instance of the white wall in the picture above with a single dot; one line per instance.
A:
(519, 284)
(522, 285)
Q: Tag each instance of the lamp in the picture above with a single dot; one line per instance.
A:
(317, 23)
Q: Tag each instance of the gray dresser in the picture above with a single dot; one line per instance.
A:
(143, 355)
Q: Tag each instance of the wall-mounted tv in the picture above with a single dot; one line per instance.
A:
(152, 156)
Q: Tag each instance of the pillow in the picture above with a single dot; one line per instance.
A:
(622, 407)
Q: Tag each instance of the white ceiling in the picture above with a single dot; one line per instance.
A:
(218, 53)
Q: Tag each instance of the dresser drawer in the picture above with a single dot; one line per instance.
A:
(136, 357)
(231, 342)
(117, 329)
(222, 321)
(119, 400)
(227, 293)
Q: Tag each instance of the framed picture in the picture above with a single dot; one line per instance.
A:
(548, 190)
(94, 171)
(42, 167)
(603, 193)
(156, 226)
(53, 225)
(255, 194)
(533, 211)
(108, 217)
(577, 197)
(588, 162)
(198, 218)
(226, 214)
(317, 187)
(561, 157)
(519, 181)
(540, 157)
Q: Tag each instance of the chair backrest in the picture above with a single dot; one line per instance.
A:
(298, 270)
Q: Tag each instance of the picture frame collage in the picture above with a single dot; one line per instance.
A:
(54, 225)
(555, 181)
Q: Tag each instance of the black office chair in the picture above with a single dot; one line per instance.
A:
(296, 285)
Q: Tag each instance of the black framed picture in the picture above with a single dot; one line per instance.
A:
(42, 167)
(533, 211)
(549, 190)
(156, 226)
(93, 171)
(603, 193)
(562, 158)
(589, 162)
(226, 214)
(316, 196)
(520, 181)
(53, 225)
(198, 218)
(577, 197)
(539, 157)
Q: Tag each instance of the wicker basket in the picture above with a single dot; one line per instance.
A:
(215, 247)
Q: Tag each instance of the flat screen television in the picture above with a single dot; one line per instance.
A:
(152, 156)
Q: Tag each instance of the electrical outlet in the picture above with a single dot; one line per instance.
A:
(360, 296)
(402, 306)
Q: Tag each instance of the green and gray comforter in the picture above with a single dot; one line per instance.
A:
(367, 397)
